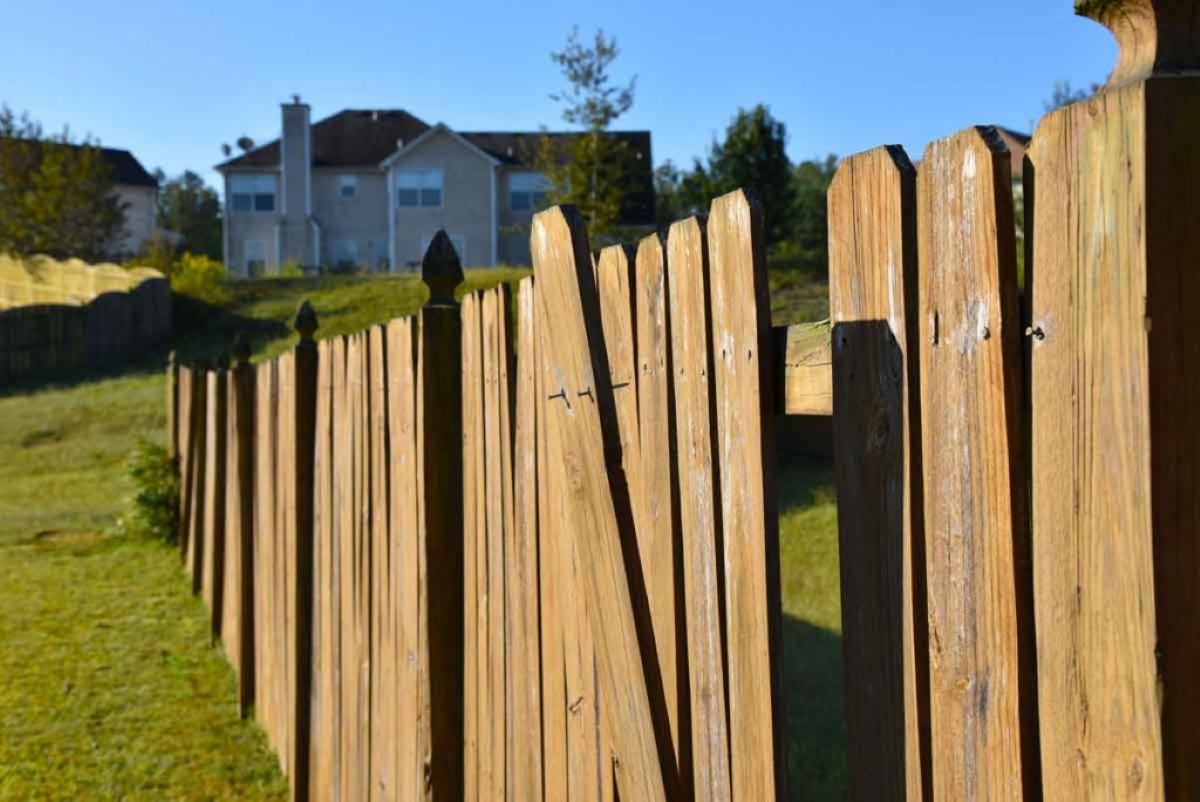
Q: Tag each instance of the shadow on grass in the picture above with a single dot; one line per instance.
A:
(815, 738)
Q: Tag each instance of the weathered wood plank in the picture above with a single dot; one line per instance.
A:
(803, 365)
(405, 548)
(474, 525)
(524, 673)
(1115, 421)
(193, 544)
(385, 672)
(212, 570)
(492, 784)
(687, 277)
(974, 494)
(552, 538)
(324, 626)
(659, 537)
(872, 299)
(589, 452)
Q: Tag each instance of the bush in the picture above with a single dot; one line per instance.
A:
(201, 278)
(154, 506)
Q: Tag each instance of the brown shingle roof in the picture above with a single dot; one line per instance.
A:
(350, 138)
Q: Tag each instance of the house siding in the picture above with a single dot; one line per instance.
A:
(361, 219)
(514, 225)
(466, 202)
(140, 217)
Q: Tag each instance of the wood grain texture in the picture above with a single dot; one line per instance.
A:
(552, 535)
(660, 540)
(873, 300)
(474, 536)
(384, 671)
(1116, 435)
(525, 648)
(804, 369)
(193, 544)
(699, 508)
(405, 548)
(184, 438)
(324, 624)
(589, 452)
(974, 495)
(745, 446)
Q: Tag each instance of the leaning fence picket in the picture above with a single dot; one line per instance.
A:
(212, 561)
(687, 274)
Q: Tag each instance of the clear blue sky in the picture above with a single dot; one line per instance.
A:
(173, 80)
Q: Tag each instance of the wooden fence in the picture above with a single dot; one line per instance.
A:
(525, 548)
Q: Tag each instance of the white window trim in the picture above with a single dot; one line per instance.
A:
(442, 189)
(275, 193)
(537, 178)
(347, 180)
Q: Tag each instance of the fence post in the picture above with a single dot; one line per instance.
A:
(302, 616)
(172, 407)
(1116, 417)
(441, 431)
(243, 445)
(212, 564)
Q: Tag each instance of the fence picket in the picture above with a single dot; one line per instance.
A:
(687, 277)
(212, 565)
(872, 292)
(973, 494)
(473, 516)
(656, 509)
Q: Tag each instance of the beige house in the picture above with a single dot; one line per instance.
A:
(138, 192)
(368, 190)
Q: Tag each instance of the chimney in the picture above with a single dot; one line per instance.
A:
(295, 173)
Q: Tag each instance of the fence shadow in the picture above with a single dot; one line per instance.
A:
(200, 332)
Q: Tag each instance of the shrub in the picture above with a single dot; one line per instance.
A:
(201, 278)
(153, 510)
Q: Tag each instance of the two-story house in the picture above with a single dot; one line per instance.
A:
(368, 190)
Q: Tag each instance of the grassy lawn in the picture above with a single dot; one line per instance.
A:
(108, 687)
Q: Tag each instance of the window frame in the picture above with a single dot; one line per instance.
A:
(421, 187)
(347, 181)
(536, 198)
(338, 244)
(254, 195)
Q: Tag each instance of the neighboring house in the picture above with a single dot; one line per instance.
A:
(369, 189)
(138, 192)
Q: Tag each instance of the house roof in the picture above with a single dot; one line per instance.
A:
(350, 138)
(365, 138)
(126, 169)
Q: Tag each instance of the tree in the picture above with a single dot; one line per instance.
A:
(1064, 95)
(56, 195)
(752, 155)
(810, 220)
(191, 210)
(592, 170)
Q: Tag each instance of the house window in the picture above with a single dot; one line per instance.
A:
(347, 186)
(457, 240)
(255, 257)
(419, 188)
(345, 254)
(527, 191)
(252, 192)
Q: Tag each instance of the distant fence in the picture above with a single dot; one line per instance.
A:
(529, 551)
(63, 316)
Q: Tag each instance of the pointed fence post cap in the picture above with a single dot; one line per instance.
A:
(241, 348)
(1155, 37)
(441, 270)
(306, 321)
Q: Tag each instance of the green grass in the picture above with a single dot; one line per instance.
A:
(108, 687)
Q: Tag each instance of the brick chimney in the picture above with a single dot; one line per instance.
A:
(295, 172)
